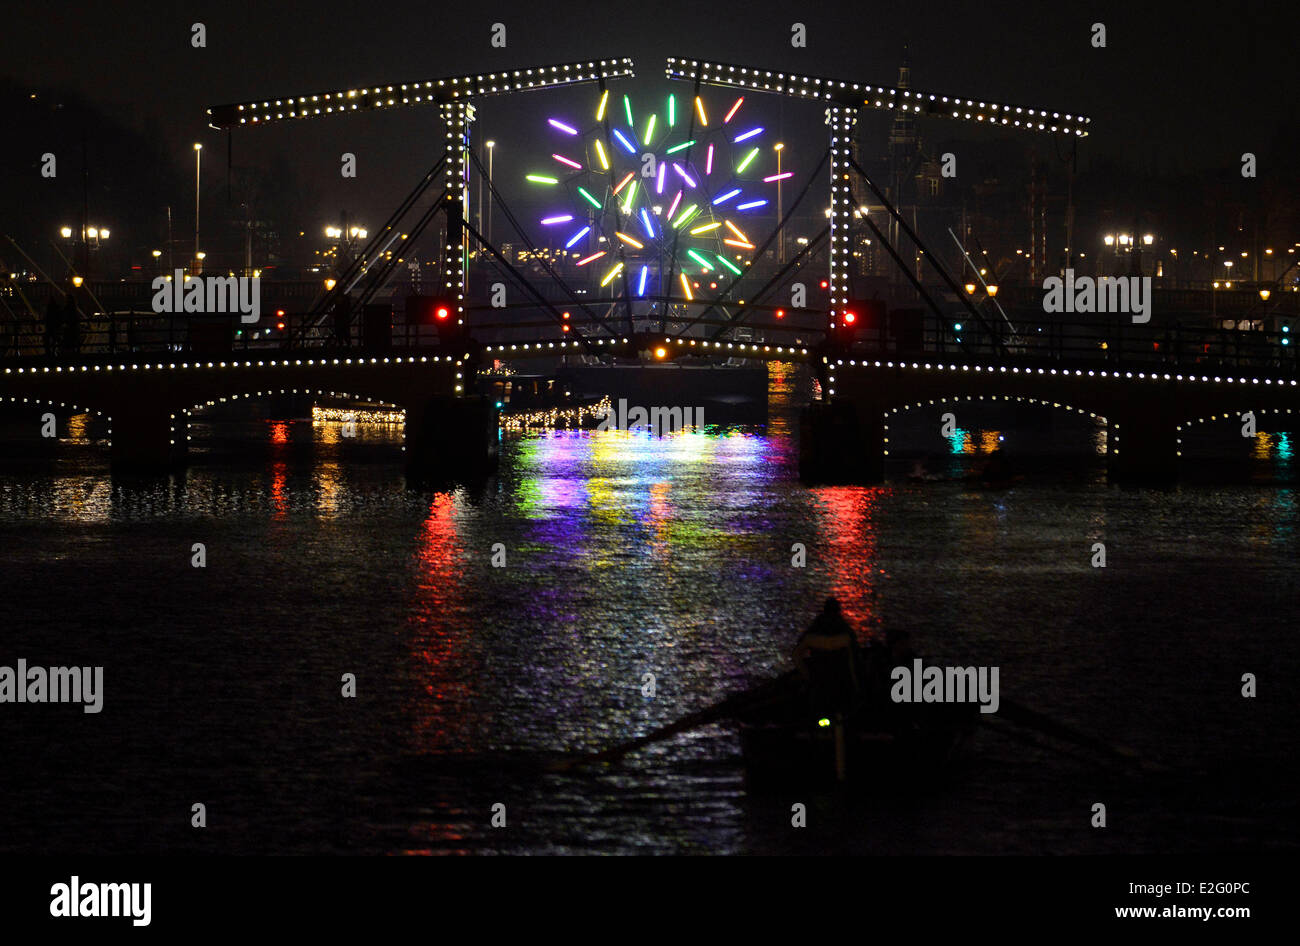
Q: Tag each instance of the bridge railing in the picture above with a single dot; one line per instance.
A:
(1261, 347)
(1103, 340)
(189, 335)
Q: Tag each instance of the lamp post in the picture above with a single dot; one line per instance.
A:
(491, 146)
(198, 154)
(780, 239)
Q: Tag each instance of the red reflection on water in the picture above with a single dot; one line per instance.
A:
(439, 635)
(848, 530)
(443, 667)
(279, 501)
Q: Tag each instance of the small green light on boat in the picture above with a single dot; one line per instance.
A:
(823, 722)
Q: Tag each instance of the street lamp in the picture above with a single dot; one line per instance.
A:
(491, 145)
(198, 154)
(780, 244)
(66, 233)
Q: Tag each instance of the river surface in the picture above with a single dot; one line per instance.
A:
(619, 555)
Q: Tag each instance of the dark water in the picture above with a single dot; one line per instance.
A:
(627, 555)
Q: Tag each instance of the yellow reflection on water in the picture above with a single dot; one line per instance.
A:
(1263, 448)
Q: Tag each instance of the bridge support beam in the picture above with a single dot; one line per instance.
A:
(148, 440)
(452, 438)
(840, 443)
(1142, 445)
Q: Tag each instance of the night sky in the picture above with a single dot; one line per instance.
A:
(1178, 86)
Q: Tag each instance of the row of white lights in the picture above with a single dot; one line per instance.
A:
(815, 87)
(1066, 372)
(456, 117)
(733, 346)
(311, 362)
(1201, 420)
(993, 397)
(222, 400)
(305, 106)
(841, 120)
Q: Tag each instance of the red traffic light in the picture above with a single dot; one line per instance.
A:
(850, 318)
(430, 310)
(825, 284)
(780, 313)
(280, 326)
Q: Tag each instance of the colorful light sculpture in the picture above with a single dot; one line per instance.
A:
(657, 193)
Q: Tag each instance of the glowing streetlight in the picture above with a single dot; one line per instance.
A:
(330, 284)
(1264, 294)
(992, 289)
(66, 233)
(1110, 239)
(780, 238)
(1148, 239)
(491, 146)
(198, 154)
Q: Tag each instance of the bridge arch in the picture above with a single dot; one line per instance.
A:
(1225, 416)
(986, 398)
(187, 412)
(66, 405)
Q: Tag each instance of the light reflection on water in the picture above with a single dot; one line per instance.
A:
(625, 554)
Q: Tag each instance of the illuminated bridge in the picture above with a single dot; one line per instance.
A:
(695, 284)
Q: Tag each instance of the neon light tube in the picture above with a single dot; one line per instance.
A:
(631, 148)
(707, 266)
(609, 277)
